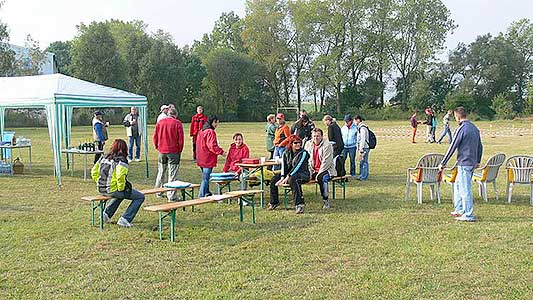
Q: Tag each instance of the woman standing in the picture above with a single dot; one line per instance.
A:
(295, 171)
(207, 150)
(270, 133)
(280, 137)
(110, 174)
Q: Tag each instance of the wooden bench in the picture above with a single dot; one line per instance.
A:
(168, 210)
(100, 201)
(223, 184)
(338, 181)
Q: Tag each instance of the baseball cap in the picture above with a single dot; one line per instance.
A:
(164, 106)
(348, 117)
(98, 113)
(280, 116)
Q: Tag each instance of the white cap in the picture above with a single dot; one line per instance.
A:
(164, 106)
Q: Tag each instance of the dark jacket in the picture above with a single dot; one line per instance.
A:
(335, 135)
(296, 163)
(467, 141)
(303, 131)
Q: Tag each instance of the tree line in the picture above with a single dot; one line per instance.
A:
(342, 55)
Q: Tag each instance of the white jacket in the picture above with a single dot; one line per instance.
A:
(325, 153)
(129, 118)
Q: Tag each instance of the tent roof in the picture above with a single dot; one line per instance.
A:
(40, 90)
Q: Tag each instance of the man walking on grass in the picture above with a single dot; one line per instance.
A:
(168, 141)
(197, 123)
(467, 142)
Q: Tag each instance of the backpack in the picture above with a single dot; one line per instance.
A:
(434, 122)
(372, 140)
(338, 162)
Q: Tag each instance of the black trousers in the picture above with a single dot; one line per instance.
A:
(295, 182)
(322, 179)
(99, 146)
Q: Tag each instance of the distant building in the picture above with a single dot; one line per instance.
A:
(49, 65)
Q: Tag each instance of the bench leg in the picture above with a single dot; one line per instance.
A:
(241, 208)
(343, 190)
(101, 205)
(286, 198)
(161, 225)
(334, 186)
(172, 225)
(250, 201)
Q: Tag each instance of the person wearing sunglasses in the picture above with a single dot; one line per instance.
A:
(295, 171)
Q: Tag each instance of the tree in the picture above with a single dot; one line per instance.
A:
(7, 56)
(32, 63)
(419, 29)
(503, 106)
(62, 51)
(161, 73)
(234, 86)
(95, 56)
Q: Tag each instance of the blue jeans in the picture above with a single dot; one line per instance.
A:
(137, 140)
(278, 151)
(136, 200)
(446, 131)
(463, 200)
(364, 169)
(204, 186)
(351, 152)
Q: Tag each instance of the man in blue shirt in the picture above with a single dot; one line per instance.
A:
(467, 142)
(349, 137)
(99, 132)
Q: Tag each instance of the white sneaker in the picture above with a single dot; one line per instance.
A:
(326, 204)
(300, 209)
(124, 223)
(137, 159)
(129, 160)
(107, 219)
(464, 219)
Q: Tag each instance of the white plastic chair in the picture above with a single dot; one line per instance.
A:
(519, 171)
(426, 172)
(487, 174)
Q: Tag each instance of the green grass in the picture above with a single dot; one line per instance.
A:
(373, 245)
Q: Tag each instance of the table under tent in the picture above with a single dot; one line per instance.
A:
(59, 94)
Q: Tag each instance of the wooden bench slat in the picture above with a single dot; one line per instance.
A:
(243, 193)
(145, 192)
(179, 204)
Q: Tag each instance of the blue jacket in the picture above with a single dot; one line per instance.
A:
(467, 141)
(349, 136)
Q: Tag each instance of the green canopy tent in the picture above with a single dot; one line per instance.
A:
(59, 95)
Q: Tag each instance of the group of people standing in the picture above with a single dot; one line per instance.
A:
(431, 125)
(306, 154)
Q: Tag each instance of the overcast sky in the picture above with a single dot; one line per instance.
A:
(53, 20)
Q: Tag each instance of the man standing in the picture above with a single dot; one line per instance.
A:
(414, 126)
(430, 137)
(99, 132)
(349, 137)
(321, 165)
(364, 149)
(168, 141)
(334, 135)
(163, 112)
(133, 124)
(467, 142)
(197, 122)
(446, 128)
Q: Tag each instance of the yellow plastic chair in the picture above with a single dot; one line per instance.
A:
(450, 178)
(519, 171)
(487, 174)
(426, 172)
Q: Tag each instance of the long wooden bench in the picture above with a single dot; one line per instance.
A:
(100, 201)
(338, 181)
(168, 210)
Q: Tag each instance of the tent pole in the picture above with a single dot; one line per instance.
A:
(145, 136)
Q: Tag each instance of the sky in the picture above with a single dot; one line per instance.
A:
(187, 20)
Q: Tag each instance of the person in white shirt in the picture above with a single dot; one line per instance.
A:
(363, 147)
(164, 112)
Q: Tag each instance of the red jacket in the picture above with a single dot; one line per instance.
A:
(168, 136)
(235, 155)
(197, 122)
(207, 148)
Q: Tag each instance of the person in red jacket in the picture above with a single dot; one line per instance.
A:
(197, 123)
(207, 150)
(168, 141)
(237, 151)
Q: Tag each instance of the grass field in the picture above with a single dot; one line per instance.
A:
(373, 245)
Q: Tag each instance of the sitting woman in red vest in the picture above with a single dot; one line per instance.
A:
(237, 151)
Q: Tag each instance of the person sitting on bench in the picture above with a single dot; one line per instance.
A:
(110, 173)
(321, 164)
(237, 151)
(295, 171)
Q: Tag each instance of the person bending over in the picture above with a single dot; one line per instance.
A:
(295, 171)
(110, 173)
